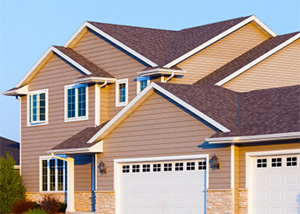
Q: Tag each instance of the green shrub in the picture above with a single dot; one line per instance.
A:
(50, 204)
(22, 206)
(36, 211)
(11, 187)
(62, 208)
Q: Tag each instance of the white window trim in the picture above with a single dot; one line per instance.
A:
(119, 104)
(76, 118)
(48, 175)
(138, 86)
(46, 107)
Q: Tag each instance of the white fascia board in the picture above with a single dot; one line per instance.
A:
(161, 71)
(254, 138)
(153, 85)
(220, 36)
(55, 50)
(95, 79)
(78, 31)
(20, 91)
(258, 60)
(97, 148)
(120, 44)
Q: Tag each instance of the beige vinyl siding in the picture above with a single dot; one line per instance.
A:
(280, 69)
(113, 61)
(220, 53)
(259, 148)
(36, 140)
(159, 128)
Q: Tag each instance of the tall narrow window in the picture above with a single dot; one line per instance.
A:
(75, 102)
(53, 174)
(122, 92)
(142, 83)
(37, 107)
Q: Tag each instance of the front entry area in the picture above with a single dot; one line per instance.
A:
(162, 187)
(276, 184)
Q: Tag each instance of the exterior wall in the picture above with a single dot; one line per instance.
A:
(220, 53)
(295, 144)
(219, 201)
(105, 202)
(113, 61)
(159, 128)
(243, 201)
(280, 69)
(36, 140)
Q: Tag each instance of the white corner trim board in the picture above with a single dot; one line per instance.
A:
(220, 36)
(258, 60)
(168, 94)
(113, 40)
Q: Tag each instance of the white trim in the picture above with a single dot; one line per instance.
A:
(162, 71)
(254, 138)
(110, 38)
(16, 92)
(97, 148)
(153, 85)
(76, 118)
(138, 86)
(95, 80)
(117, 169)
(232, 186)
(38, 123)
(258, 60)
(118, 103)
(97, 105)
(250, 165)
(220, 36)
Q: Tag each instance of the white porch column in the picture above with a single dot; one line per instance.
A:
(70, 191)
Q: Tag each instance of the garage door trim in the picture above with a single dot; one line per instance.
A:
(250, 166)
(118, 162)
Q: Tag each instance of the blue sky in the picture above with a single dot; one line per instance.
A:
(28, 28)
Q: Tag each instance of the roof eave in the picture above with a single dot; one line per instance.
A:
(161, 71)
(253, 138)
(17, 92)
(95, 80)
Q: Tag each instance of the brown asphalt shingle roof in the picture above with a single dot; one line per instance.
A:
(244, 59)
(164, 46)
(96, 71)
(80, 139)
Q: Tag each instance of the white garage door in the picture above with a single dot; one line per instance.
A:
(276, 185)
(163, 187)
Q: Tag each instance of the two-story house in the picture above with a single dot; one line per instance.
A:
(128, 119)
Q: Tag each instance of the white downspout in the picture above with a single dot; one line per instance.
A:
(104, 84)
(170, 77)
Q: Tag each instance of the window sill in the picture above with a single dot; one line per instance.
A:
(37, 124)
(121, 104)
(76, 119)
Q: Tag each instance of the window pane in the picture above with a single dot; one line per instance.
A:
(44, 176)
(81, 102)
(143, 84)
(60, 175)
(34, 107)
(122, 91)
(52, 175)
(71, 103)
(42, 107)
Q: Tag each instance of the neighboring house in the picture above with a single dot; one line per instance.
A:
(11, 147)
(136, 120)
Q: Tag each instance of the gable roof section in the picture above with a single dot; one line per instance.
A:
(67, 54)
(11, 147)
(248, 59)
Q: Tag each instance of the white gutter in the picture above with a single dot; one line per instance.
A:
(16, 92)
(161, 71)
(97, 148)
(254, 138)
(96, 80)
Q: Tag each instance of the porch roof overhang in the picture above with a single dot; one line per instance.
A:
(161, 71)
(17, 91)
(254, 138)
(94, 79)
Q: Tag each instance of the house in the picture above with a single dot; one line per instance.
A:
(126, 119)
(11, 147)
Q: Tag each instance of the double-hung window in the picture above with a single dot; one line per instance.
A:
(76, 102)
(121, 92)
(37, 105)
(53, 174)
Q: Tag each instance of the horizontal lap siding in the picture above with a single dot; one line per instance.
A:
(244, 149)
(159, 128)
(280, 69)
(36, 140)
(113, 61)
(219, 53)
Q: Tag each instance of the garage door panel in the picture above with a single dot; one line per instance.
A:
(163, 187)
(276, 184)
